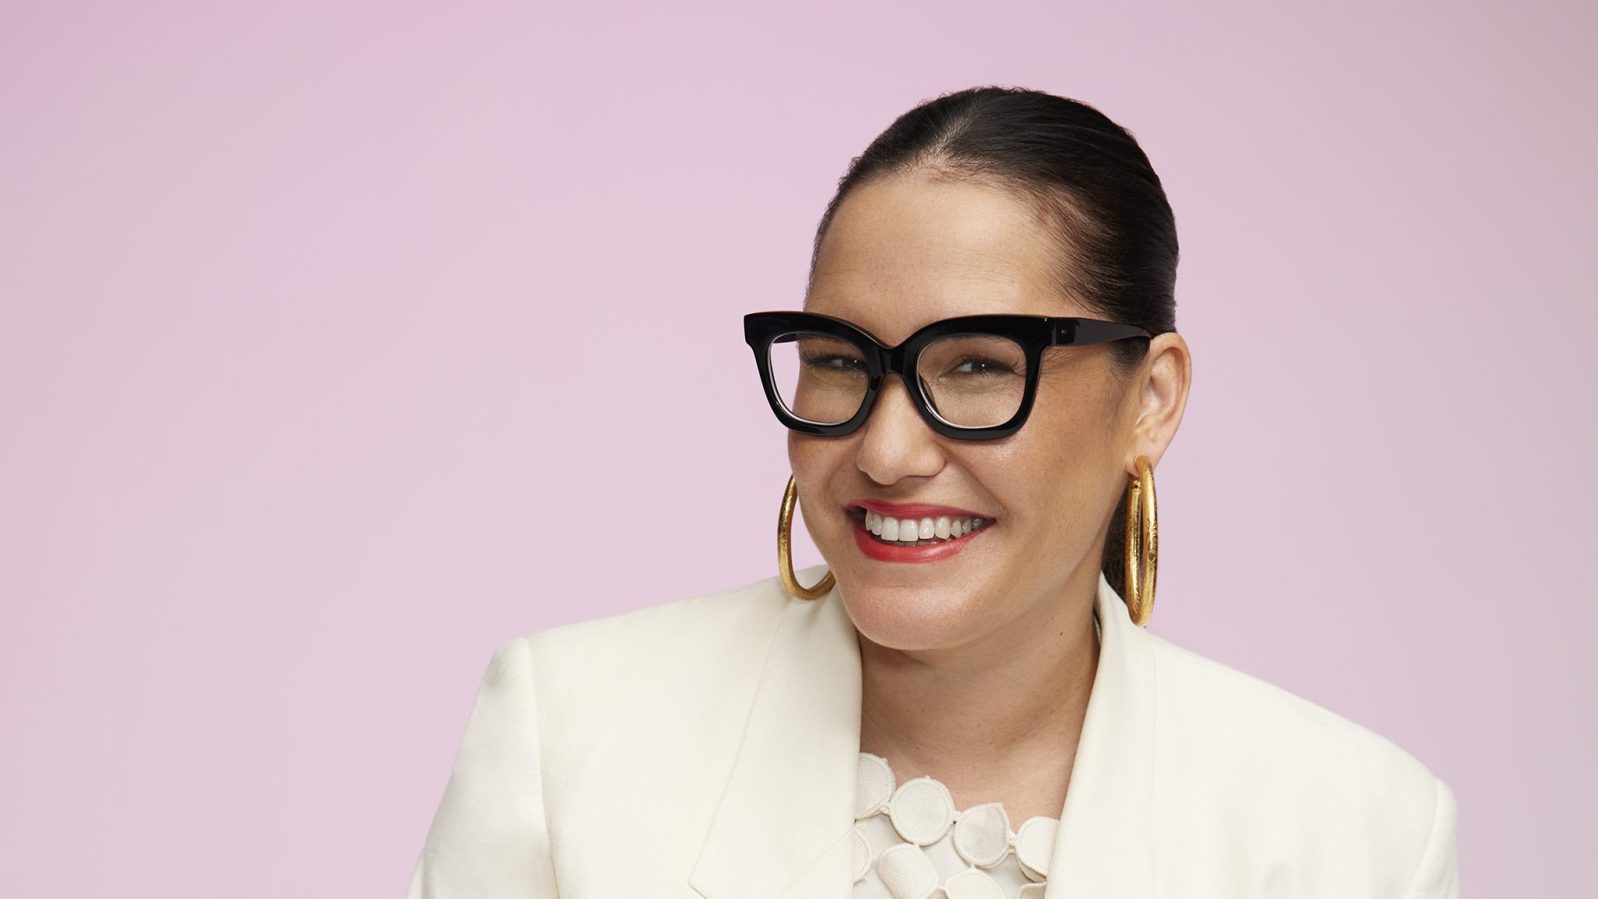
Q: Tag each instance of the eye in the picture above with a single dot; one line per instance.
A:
(832, 361)
(978, 365)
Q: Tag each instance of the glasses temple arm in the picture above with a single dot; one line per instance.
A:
(1084, 331)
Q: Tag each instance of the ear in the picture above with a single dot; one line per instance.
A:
(1158, 397)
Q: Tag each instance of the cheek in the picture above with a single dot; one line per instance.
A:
(812, 461)
(1053, 474)
(802, 459)
(1079, 421)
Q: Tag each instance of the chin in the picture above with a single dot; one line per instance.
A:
(907, 618)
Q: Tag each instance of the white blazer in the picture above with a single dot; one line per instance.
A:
(707, 747)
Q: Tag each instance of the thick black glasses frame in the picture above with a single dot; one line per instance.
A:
(1033, 333)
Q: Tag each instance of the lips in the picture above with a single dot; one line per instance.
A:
(913, 532)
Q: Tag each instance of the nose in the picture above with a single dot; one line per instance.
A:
(895, 441)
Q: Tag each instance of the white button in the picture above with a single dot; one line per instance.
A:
(1034, 846)
(982, 835)
(907, 872)
(862, 853)
(972, 884)
(873, 784)
(922, 810)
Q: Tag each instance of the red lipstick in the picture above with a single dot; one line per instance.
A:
(872, 548)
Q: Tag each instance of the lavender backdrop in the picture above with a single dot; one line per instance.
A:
(309, 323)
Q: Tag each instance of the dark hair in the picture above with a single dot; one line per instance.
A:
(1086, 179)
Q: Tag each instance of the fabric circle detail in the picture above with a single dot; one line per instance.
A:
(982, 835)
(1034, 846)
(873, 784)
(862, 853)
(910, 842)
(907, 872)
(921, 810)
(972, 884)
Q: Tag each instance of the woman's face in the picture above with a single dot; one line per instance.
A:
(901, 253)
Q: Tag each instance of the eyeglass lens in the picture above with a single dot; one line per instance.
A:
(970, 380)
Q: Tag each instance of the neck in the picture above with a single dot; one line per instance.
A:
(1013, 698)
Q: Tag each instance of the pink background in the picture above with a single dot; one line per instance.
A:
(322, 343)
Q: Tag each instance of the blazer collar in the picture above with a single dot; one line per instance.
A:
(784, 824)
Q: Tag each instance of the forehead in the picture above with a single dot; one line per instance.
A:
(906, 251)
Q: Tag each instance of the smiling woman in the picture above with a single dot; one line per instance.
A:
(982, 379)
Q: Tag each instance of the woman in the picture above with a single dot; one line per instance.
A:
(963, 701)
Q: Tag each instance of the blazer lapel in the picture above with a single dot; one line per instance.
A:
(784, 823)
(1102, 850)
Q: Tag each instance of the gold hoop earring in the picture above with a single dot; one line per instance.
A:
(785, 551)
(1142, 543)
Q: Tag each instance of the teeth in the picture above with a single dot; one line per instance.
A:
(911, 531)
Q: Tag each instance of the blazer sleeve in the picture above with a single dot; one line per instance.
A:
(1438, 874)
(489, 838)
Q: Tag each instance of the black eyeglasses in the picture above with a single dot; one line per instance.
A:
(975, 375)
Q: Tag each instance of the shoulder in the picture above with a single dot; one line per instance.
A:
(1242, 717)
(686, 666)
(1304, 778)
(643, 710)
(690, 631)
